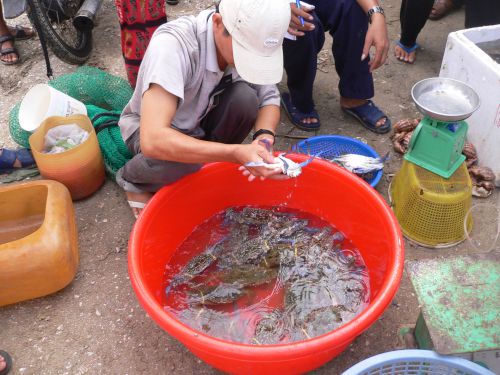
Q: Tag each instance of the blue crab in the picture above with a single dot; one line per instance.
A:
(270, 328)
(218, 295)
(287, 166)
(197, 265)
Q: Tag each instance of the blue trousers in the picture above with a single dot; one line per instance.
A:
(347, 23)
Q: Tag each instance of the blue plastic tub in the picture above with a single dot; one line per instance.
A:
(416, 362)
(336, 145)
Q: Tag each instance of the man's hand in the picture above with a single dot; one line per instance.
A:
(376, 37)
(295, 27)
(265, 140)
(258, 151)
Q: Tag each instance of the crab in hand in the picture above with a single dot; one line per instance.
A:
(287, 166)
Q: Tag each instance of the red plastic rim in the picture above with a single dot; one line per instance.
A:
(274, 353)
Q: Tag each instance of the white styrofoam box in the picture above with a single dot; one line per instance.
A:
(466, 62)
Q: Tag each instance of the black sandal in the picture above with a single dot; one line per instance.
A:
(8, 51)
(172, 2)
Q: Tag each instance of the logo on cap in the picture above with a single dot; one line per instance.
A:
(271, 42)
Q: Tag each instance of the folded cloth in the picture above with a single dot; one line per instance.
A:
(19, 175)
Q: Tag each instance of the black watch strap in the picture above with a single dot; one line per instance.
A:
(260, 132)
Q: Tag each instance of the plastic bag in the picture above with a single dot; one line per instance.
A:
(64, 137)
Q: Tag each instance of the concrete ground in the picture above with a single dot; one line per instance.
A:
(95, 325)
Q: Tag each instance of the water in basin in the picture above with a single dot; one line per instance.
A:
(266, 276)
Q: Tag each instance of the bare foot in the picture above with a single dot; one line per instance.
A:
(351, 103)
(309, 120)
(402, 55)
(21, 32)
(3, 364)
(137, 201)
(441, 8)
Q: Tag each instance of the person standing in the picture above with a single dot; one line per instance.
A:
(8, 52)
(138, 20)
(414, 14)
(481, 13)
(355, 26)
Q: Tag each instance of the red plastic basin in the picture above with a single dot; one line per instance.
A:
(323, 189)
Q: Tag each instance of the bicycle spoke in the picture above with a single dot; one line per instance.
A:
(66, 30)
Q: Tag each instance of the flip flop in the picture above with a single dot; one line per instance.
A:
(134, 204)
(407, 50)
(8, 361)
(9, 157)
(172, 2)
(8, 51)
(21, 33)
(368, 114)
(297, 117)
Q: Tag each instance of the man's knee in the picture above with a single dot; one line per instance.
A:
(244, 98)
(146, 174)
(236, 113)
(309, 40)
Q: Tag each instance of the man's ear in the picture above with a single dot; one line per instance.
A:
(217, 21)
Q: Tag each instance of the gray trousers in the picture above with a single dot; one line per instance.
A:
(230, 121)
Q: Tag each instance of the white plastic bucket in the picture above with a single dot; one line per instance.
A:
(43, 101)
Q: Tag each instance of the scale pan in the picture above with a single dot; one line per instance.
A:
(445, 99)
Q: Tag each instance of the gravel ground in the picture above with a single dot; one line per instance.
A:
(95, 325)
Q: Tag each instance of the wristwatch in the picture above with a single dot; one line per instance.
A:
(375, 9)
(262, 131)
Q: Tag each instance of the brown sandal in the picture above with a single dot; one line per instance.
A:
(440, 9)
(8, 51)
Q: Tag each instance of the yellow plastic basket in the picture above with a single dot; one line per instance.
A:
(431, 209)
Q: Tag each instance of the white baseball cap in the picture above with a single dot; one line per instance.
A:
(257, 28)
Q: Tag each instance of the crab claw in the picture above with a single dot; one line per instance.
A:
(308, 161)
(286, 166)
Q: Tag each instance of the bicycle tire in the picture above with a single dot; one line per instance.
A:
(76, 55)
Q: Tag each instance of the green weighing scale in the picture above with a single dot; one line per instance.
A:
(439, 138)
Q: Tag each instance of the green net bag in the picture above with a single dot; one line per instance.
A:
(105, 96)
(114, 150)
(19, 135)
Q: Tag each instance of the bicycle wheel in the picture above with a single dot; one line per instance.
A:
(69, 44)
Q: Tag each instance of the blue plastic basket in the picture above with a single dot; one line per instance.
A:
(337, 145)
(416, 362)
